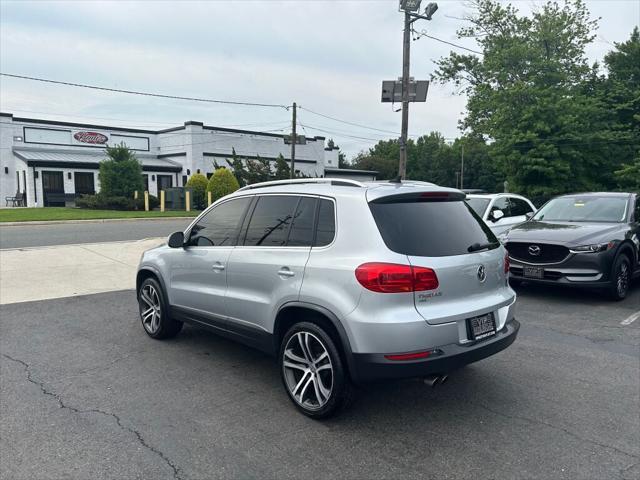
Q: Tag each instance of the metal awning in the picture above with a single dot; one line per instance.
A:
(76, 159)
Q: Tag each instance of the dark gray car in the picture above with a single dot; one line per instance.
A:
(587, 239)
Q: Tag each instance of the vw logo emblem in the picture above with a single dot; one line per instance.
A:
(482, 275)
(534, 250)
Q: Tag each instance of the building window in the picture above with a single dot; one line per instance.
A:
(145, 178)
(164, 182)
(184, 180)
(84, 183)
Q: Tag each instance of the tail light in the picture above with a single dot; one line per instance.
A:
(507, 263)
(396, 278)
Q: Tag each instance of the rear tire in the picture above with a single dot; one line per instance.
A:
(154, 311)
(620, 278)
(312, 371)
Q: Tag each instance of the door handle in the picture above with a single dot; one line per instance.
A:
(285, 272)
(218, 267)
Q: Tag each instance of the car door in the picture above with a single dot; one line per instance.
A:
(198, 273)
(635, 229)
(267, 267)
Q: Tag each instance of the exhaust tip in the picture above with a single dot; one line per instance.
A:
(432, 380)
(443, 379)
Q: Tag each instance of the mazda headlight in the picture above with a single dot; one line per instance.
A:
(596, 247)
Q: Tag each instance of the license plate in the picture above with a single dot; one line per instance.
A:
(533, 272)
(482, 327)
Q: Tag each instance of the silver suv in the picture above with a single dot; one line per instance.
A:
(344, 282)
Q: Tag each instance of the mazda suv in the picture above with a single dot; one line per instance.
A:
(584, 240)
(343, 282)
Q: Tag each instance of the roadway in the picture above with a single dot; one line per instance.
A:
(21, 236)
(87, 394)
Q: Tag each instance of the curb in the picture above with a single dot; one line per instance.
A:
(95, 220)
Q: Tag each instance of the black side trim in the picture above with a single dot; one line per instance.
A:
(240, 332)
(252, 157)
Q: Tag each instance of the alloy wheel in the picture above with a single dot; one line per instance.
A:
(150, 309)
(308, 370)
(622, 282)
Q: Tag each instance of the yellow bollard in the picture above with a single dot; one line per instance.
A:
(208, 198)
(135, 195)
(146, 201)
(187, 200)
(162, 200)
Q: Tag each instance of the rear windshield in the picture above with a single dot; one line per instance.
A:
(432, 228)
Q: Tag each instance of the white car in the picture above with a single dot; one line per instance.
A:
(501, 211)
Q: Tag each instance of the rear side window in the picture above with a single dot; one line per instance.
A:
(301, 234)
(519, 207)
(270, 221)
(219, 227)
(431, 228)
(326, 224)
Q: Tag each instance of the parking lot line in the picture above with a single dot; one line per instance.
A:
(630, 319)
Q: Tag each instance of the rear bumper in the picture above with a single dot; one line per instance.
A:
(373, 366)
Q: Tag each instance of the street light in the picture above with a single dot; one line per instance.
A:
(429, 10)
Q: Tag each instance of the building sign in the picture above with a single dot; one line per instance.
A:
(93, 138)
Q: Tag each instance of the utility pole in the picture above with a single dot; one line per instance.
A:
(294, 138)
(462, 167)
(404, 132)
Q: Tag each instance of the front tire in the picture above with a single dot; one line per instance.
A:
(313, 372)
(620, 278)
(154, 311)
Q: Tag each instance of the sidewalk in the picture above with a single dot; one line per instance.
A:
(41, 273)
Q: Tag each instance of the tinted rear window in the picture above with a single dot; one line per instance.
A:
(430, 228)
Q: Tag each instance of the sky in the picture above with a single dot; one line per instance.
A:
(329, 57)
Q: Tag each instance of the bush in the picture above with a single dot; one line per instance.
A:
(101, 201)
(121, 173)
(222, 183)
(198, 185)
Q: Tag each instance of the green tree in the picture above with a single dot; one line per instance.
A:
(239, 170)
(198, 185)
(530, 94)
(628, 176)
(283, 171)
(222, 183)
(121, 173)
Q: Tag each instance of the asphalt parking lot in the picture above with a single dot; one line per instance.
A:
(86, 394)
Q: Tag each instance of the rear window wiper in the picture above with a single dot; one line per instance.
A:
(482, 246)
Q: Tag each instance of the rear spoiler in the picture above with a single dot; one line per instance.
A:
(448, 195)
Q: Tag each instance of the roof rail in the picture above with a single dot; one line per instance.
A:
(297, 181)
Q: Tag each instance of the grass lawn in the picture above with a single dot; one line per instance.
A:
(62, 213)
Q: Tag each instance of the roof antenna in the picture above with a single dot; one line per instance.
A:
(398, 179)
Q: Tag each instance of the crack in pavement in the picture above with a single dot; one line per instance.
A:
(562, 429)
(625, 469)
(138, 435)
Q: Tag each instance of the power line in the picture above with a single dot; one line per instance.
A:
(346, 122)
(424, 34)
(145, 94)
(342, 134)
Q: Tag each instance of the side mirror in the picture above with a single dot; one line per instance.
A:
(497, 215)
(176, 240)
(529, 215)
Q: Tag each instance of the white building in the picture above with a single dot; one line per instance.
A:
(50, 162)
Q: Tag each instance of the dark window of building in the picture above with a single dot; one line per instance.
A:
(301, 234)
(84, 183)
(519, 207)
(17, 181)
(145, 179)
(209, 175)
(270, 221)
(219, 227)
(326, 229)
(184, 180)
(164, 182)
